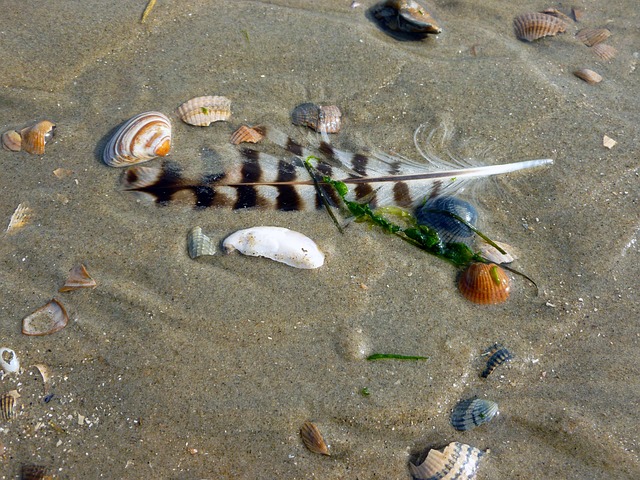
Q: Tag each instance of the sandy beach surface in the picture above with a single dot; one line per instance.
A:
(206, 369)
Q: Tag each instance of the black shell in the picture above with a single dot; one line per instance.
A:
(499, 355)
(472, 413)
(449, 229)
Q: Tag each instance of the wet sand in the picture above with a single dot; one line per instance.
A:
(175, 368)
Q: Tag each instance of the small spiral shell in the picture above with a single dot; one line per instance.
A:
(484, 283)
(139, 139)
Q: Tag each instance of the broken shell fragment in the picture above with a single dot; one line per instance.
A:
(9, 360)
(277, 243)
(312, 439)
(198, 244)
(247, 134)
(12, 141)
(8, 404)
(608, 142)
(588, 76)
(457, 461)
(203, 111)
(405, 16)
(139, 139)
(46, 320)
(499, 355)
(19, 218)
(45, 374)
(605, 52)
(472, 413)
(593, 36)
(491, 253)
(78, 278)
(532, 26)
(484, 283)
(35, 137)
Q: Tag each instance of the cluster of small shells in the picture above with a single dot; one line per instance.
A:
(326, 119)
(31, 139)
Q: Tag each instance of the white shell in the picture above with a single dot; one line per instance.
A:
(277, 243)
(139, 139)
(12, 365)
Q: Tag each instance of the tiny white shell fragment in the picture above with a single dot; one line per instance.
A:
(12, 364)
(608, 142)
(277, 243)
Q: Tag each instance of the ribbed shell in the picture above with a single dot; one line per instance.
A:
(12, 141)
(499, 355)
(532, 26)
(449, 229)
(8, 406)
(246, 134)
(203, 111)
(139, 139)
(472, 413)
(484, 283)
(457, 461)
(605, 52)
(19, 218)
(406, 16)
(593, 36)
(312, 439)
(306, 114)
(588, 76)
(198, 244)
(46, 320)
(35, 137)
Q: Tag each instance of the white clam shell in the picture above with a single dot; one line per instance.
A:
(13, 364)
(277, 243)
(139, 139)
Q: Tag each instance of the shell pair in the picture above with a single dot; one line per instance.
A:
(30, 139)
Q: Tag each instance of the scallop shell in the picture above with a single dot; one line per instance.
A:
(46, 320)
(20, 217)
(35, 137)
(11, 363)
(203, 111)
(198, 244)
(138, 140)
(312, 439)
(78, 278)
(499, 355)
(593, 36)
(605, 52)
(8, 405)
(588, 76)
(484, 283)
(456, 461)
(246, 134)
(532, 26)
(12, 141)
(449, 229)
(406, 16)
(277, 243)
(472, 413)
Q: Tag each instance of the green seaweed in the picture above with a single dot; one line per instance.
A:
(364, 391)
(394, 356)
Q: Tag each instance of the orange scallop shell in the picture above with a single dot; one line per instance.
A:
(484, 283)
(246, 134)
(532, 26)
(35, 137)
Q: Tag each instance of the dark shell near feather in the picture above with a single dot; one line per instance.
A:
(406, 16)
(449, 229)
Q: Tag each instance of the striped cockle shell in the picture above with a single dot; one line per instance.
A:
(8, 404)
(473, 412)
(199, 244)
(35, 137)
(203, 111)
(593, 36)
(139, 139)
(456, 461)
(605, 52)
(532, 26)
(247, 134)
(484, 283)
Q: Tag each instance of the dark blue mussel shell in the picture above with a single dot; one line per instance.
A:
(449, 229)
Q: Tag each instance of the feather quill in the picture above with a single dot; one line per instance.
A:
(259, 179)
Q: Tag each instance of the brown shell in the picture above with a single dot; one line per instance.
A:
(312, 439)
(532, 26)
(78, 278)
(484, 283)
(46, 320)
(588, 76)
(554, 12)
(605, 52)
(36, 472)
(330, 119)
(247, 134)
(203, 111)
(12, 141)
(593, 36)
(319, 118)
(457, 460)
(35, 137)
(8, 406)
